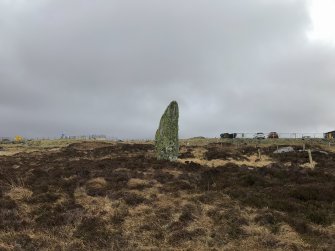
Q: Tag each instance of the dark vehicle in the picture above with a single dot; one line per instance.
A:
(228, 135)
(273, 135)
(329, 135)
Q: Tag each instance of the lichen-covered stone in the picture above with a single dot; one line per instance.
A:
(166, 139)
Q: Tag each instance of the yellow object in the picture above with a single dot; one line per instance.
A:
(18, 138)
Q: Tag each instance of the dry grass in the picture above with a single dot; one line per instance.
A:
(19, 193)
(251, 161)
(108, 196)
(135, 183)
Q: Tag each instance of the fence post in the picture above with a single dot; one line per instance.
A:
(310, 158)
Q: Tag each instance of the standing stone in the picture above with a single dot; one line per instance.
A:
(166, 139)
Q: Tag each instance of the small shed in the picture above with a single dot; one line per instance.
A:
(329, 135)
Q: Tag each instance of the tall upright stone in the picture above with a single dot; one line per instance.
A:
(166, 139)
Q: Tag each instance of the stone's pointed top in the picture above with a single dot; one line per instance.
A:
(172, 110)
(166, 139)
(173, 104)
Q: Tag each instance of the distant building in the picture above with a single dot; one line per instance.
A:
(329, 135)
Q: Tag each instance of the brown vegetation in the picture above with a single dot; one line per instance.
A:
(117, 196)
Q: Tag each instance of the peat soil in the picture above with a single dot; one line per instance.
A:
(101, 196)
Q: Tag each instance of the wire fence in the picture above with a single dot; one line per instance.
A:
(283, 135)
(63, 137)
(240, 135)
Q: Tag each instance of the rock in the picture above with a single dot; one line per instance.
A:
(284, 150)
(319, 151)
(166, 139)
(323, 152)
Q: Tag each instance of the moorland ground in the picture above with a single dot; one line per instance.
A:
(60, 195)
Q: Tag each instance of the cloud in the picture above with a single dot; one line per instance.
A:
(112, 67)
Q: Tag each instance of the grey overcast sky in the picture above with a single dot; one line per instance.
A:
(112, 66)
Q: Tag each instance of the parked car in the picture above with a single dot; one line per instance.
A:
(259, 135)
(228, 135)
(273, 135)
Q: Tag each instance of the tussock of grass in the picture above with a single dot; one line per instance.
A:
(19, 194)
